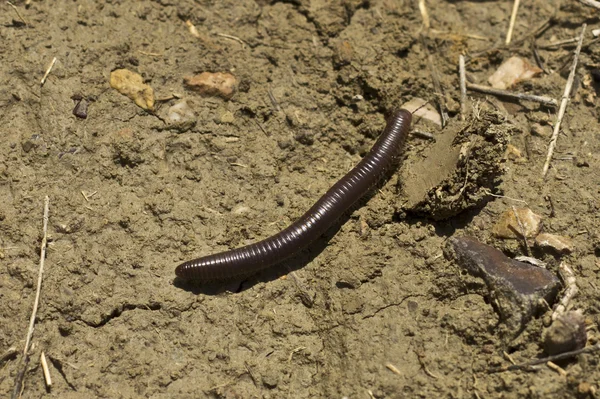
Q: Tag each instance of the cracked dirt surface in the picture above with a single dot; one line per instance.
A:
(131, 199)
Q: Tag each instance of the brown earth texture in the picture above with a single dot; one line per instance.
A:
(372, 309)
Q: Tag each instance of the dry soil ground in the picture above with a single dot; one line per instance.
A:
(130, 198)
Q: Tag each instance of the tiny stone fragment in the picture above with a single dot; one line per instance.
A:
(347, 280)
(72, 226)
(567, 333)
(343, 53)
(586, 389)
(225, 117)
(27, 145)
(582, 161)
(513, 153)
(540, 130)
(125, 133)
(180, 112)
(132, 85)
(516, 288)
(270, 379)
(180, 117)
(210, 84)
(508, 225)
(80, 109)
(559, 244)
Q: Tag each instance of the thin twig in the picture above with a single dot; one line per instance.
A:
(154, 55)
(513, 18)
(437, 86)
(591, 3)
(449, 33)
(192, 28)
(306, 297)
(263, 129)
(522, 228)
(537, 32)
(46, 371)
(559, 43)
(421, 357)
(488, 192)
(508, 357)
(194, 32)
(237, 39)
(519, 96)
(25, 359)
(556, 368)
(438, 91)
(563, 103)
(48, 71)
(423, 135)
(463, 86)
(538, 59)
(393, 368)
(571, 289)
(424, 14)
(18, 13)
(553, 358)
(273, 100)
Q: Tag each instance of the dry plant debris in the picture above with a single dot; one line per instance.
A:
(513, 71)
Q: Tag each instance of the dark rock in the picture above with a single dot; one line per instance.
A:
(517, 288)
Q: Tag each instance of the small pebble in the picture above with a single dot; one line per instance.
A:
(270, 379)
(132, 85)
(513, 153)
(226, 117)
(582, 162)
(80, 109)
(537, 129)
(125, 133)
(566, 334)
(27, 145)
(508, 226)
(423, 109)
(209, 84)
(585, 388)
(512, 71)
(559, 244)
(412, 306)
(343, 53)
(180, 112)
(240, 209)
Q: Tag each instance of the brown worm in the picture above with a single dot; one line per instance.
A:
(244, 261)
